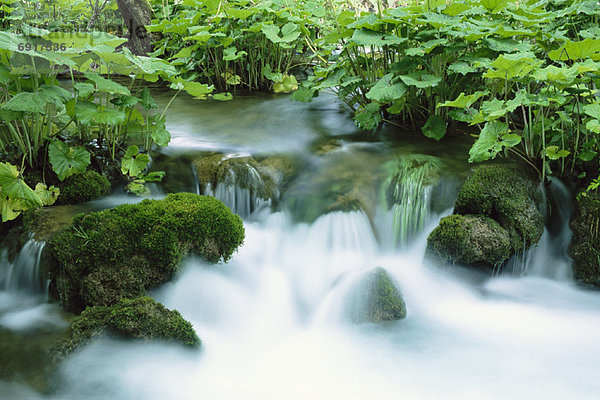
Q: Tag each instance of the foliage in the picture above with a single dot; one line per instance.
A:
(238, 45)
(119, 253)
(16, 196)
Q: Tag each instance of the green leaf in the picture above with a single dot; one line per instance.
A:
(13, 186)
(106, 85)
(196, 89)
(367, 37)
(463, 101)
(133, 162)
(368, 117)
(493, 138)
(109, 116)
(384, 91)
(435, 127)
(508, 66)
(289, 32)
(420, 80)
(85, 112)
(304, 94)
(223, 96)
(582, 50)
(84, 89)
(161, 136)
(47, 195)
(287, 84)
(67, 161)
(553, 153)
(231, 54)
(593, 110)
(26, 102)
(146, 99)
(462, 68)
(124, 101)
(155, 176)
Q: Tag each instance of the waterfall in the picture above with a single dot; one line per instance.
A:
(23, 273)
(244, 193)
(548, 258)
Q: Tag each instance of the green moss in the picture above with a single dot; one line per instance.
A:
(585, 244)
(379, 299)
(469, 239)
(507, 194)
(139, 318)
(86, 186)
(108, 255)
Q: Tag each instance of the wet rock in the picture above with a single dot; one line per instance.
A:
(495, 201)
(469, 239)
(118, 253)
(377, 299)
(82, 187)
(140, 318)
(585, 244)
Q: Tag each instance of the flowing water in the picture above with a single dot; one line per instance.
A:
(274, 321)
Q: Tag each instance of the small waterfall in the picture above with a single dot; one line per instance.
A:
(408, 193)
(548, 258)
(242, 189)
(23, 273)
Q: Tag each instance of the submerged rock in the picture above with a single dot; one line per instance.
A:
(585, 244)
(82, 187)
(377, 299)
(139, 318)
(469, 239)
(496, 202)
(119, 253)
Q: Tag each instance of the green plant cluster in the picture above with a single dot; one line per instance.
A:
(238, 45)
(119, 253)
(139, 318)
(585, 245)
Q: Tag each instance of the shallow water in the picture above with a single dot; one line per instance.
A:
(274, 320)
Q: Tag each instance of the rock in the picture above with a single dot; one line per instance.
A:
(507, 194)
(469, 239)
(118, 253)
(585, 244)
(139, 318)
(497, 202)
(82, 187)
(377, 299)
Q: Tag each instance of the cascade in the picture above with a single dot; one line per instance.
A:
(23, 273)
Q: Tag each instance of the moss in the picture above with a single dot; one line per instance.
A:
(108, 255)
(379, 299)
(507, 194)
(139, 318)
(469, 239)
(86, 186)
(585, 244)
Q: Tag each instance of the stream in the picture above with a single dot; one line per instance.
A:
(274, 321)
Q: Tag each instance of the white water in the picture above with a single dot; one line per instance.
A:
(273, 326)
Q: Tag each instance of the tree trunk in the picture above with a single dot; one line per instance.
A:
(136, 14)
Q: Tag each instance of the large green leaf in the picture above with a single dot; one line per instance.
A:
(493, 138)
(369, 117)
(47, 195)
(593, 110)
(288, 33)
(367, 37)
(434, 128)
(287, 84)
(463, 101)
(508, 66)
(109, 116)
(582, 50)
(85, 112)
(420, 80)
(146, 99)
(106, 85)
(67, 161)
(196, 89)
(384, 91)
(14, 186)
(133, 162)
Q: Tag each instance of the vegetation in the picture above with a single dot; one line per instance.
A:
(139, 318)
(585, 246)
(119, 253)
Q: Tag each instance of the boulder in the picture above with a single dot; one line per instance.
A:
(469, 239)
(377, 299)
(585, 244)
(119, 253)
(140, 318)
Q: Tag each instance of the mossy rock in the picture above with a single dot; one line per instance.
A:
(469, 239)
(45, 222)
(378, 299)
(507, 194)
(139, 318)
(585, 244)
(241, 171)
(118, 253)
(82, 187)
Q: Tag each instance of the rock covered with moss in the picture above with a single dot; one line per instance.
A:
(139, 318)
(469, 239)
(585, 244)
(82, 187)
(377, 299)
(506, 194)
(118, 253)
